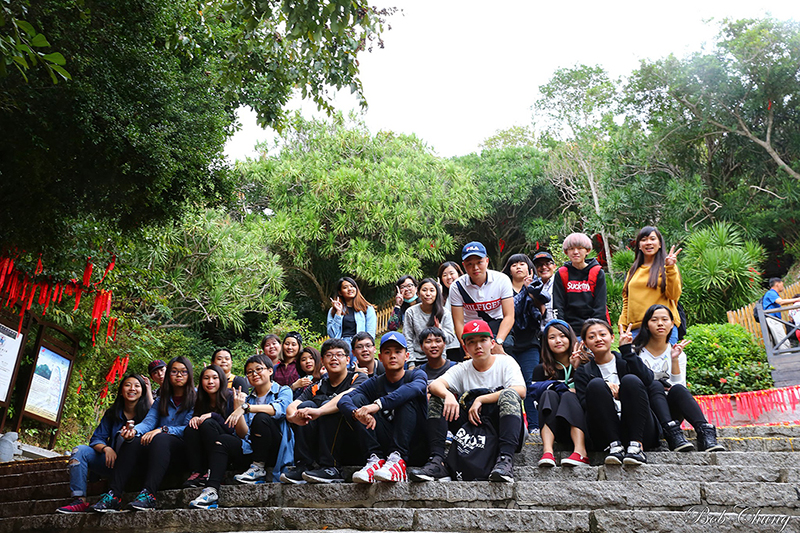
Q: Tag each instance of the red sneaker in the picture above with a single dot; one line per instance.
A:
(78, 506)
(394, 469)
(547, 460)
(575, 459)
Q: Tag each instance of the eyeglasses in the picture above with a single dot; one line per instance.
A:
(364, 346)
(340, 355)
(174, 372)
(407, 286)
(255, 371)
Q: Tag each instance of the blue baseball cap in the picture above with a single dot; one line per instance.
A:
(393, 336)
(473, 248)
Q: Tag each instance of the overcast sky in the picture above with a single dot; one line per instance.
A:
(453, 73)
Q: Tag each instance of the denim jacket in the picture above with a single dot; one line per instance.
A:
(364, 322)
(279, 397)
(174, 421)
(108, 428)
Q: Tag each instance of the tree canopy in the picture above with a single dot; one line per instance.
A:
(138, 134)
(343, 201)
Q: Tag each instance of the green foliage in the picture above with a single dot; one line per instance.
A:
(724, 358)
(345, 201)
(720, 272)
(21, 45)
(614, 286)
(207, 268)
(623, 260)
(139, 133)
(522, 204)
(513, 137)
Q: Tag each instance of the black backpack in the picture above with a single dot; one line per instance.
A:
(759, 304)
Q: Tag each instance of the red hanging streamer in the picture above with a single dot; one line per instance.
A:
(87, 272)
(109, 268)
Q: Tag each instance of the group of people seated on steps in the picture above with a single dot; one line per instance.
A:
(484, 357)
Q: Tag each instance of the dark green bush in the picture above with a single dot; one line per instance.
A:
(724, 358)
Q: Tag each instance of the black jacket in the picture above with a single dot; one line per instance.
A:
(627, 363)
(575, 303)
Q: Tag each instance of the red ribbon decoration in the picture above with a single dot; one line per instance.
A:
(502, 245)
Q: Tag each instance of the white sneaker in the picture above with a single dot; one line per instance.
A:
(253, 475)
(208, 499)
(394, 469)
(366, 474)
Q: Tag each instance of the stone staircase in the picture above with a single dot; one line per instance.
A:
(753, 487)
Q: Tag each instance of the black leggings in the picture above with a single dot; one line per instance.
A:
(678, 404)
(163, 452)
(265, 438)
(637, 423)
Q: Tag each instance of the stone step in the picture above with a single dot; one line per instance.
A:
(552, 495)
(35, 492)
(273, 519)
(658, 473)
(55, 475)
(34, 465)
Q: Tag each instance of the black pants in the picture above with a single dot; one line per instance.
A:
(164, 451)
(265, 439)
(330, 440)
(400, 430)
(505, 416)
(212, 447)
(678, 404)
(637, 423)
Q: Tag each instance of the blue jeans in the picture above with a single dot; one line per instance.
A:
(85, 458)
(673, 337)
(527, 359)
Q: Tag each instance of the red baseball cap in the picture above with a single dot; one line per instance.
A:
(476, 327)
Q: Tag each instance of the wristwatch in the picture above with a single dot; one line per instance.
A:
(500, 341)
(164, 429)
(379, 404)
(246, 407)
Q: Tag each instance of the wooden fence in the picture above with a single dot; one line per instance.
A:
(744, 315)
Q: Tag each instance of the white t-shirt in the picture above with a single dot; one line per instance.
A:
(487, 297)
(504, 372)
(609, 372)
(663, 363)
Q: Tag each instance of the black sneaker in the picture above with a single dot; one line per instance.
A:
(294, 476)
(707, 439)
(108, 504)
(434, 470)
(144, 501)
(634, 455)
(503, 470)
(194, 480)
(616, 453)
(675, 438)
(328, 474)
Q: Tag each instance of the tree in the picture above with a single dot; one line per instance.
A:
(344, 201)
(522, 205)
(21, 45)
(139, 133)
(208, 268)
(577, 105)
(723, 129)
(748, 86)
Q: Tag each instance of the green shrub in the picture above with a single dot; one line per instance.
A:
(724, 358)
(622, 261)
(614, 285)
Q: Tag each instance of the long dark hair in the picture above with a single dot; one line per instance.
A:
(218, 403)
(359, 302)
(117, 409)
(548, 357)
(643, 337)
(437, 308)
(657, 269)
(442, 268)
(310, 350)
(518, 258)
(189, 394)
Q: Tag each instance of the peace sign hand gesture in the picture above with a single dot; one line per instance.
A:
(398, 298)
(677, 349)
(337, 305)
(625, 336)
(672, 257)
